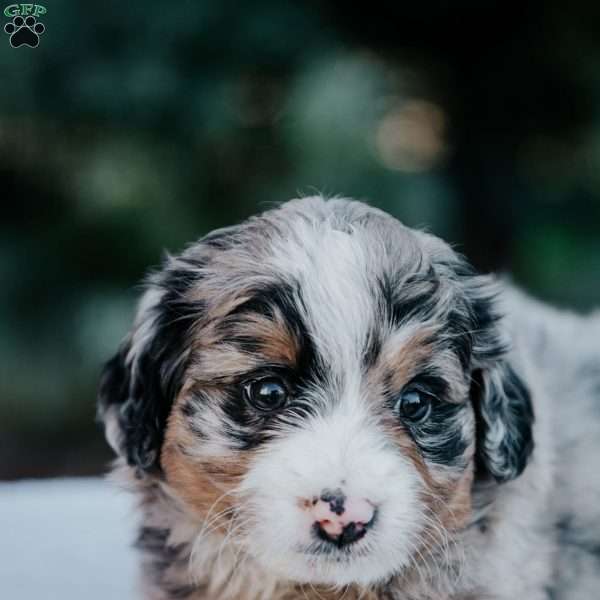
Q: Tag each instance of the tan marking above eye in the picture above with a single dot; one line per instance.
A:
(275, 339)
(403, 359)
(272, 339)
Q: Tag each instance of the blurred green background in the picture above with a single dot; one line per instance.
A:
(139, 126)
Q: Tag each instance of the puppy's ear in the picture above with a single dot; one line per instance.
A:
(500, 397)
(138, 385)
(505, 419)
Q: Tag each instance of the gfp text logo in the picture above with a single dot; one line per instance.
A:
(24, 29)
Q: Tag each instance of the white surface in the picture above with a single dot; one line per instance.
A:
(66, 539)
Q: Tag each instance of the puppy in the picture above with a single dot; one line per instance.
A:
(323, 403)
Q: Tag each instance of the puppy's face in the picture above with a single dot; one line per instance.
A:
(303, 383)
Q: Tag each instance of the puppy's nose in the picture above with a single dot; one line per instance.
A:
(340, 519)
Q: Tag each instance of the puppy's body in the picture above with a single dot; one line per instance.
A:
(564, 350)
(325, 351)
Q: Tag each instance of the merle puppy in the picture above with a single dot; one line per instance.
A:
(323, 403)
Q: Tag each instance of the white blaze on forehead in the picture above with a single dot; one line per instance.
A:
(333, 269)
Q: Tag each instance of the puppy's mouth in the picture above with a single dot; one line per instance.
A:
(340, 535)
(348, 544)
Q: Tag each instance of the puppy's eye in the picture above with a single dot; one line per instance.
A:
(413, 405)
(266, 394)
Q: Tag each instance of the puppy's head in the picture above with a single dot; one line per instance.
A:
(327, 378)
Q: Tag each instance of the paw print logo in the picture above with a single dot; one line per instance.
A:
(24, 32)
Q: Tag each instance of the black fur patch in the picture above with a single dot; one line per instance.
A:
(470, 323)
(145, 389)
(410, 298)
(503, 398)
(248, 427)
(440, 437)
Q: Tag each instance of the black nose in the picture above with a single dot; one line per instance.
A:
(335, 499)
(350, 533)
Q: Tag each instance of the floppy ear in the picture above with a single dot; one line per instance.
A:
(505, 418)
(138, 385)
(500, 397)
